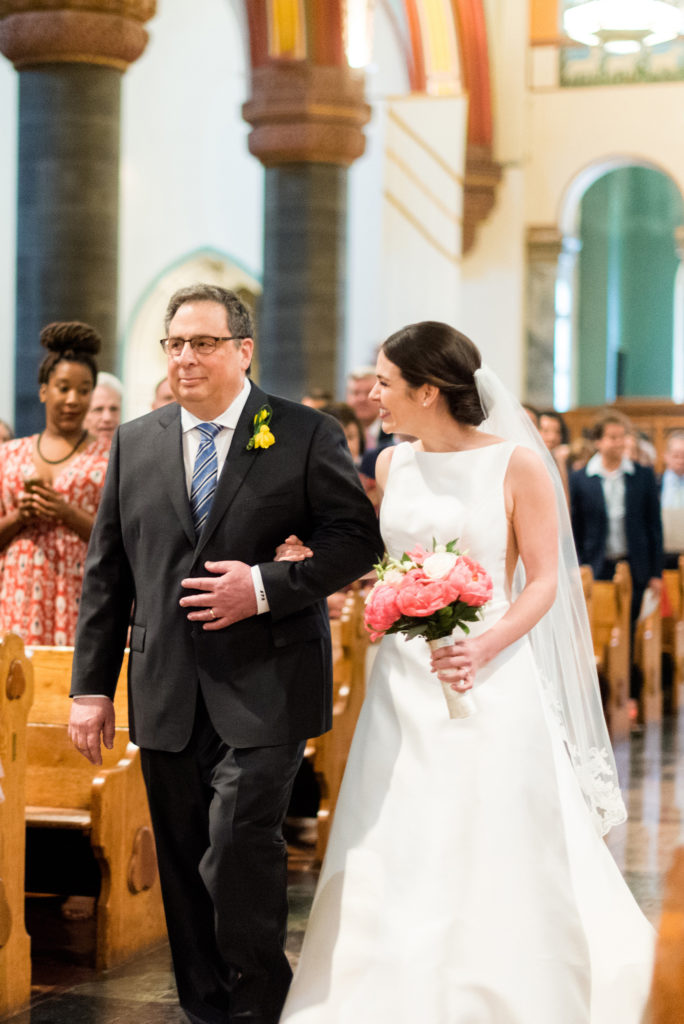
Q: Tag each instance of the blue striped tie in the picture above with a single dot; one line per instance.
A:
(204, 475)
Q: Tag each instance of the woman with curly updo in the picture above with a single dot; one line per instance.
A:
(50, 487)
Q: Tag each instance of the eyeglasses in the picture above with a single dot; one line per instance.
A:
(201, 344)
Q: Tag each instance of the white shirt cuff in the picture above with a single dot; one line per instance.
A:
(261, 599)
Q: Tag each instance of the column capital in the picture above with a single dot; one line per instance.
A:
(108, 33)
(544, 243)
(306, 113)
(482, 177)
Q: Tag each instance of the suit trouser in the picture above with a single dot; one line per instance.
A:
(217, 813)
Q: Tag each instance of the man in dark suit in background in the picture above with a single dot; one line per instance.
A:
(616, 514)
(230, 661)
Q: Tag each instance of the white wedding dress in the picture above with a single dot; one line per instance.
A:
(465, 882)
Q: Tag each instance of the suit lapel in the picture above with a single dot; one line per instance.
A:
(238, 463)
(170, 447)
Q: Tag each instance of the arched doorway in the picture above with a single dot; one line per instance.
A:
(144, 363)
(616, 323)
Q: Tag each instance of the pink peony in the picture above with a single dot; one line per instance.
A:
(418, 554)
(422, 597)
(470, 583)
(382, 610)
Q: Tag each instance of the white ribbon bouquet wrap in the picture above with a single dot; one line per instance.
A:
(433, 595)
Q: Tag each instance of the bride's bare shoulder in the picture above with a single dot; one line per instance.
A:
(527, 471)
(382, 466)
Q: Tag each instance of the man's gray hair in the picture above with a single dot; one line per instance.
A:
(109, 381)
(361, 372)
(240, 323)
(674, 435)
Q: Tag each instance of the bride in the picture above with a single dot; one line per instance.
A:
(466, 880)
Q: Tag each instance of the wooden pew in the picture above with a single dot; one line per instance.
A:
(667, 990)
(608, 611)
(108, 804)
(673, 630)
(16, 694)
(648, 649)
(330, 751)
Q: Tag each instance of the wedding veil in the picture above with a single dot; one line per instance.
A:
(561, 640)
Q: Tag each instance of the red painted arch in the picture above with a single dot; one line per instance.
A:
(326, 47)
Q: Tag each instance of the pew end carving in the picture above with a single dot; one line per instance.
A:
(608, 607)
(673, 632)
(107, 803)
(329, 752)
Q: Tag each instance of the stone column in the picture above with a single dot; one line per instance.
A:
(544, 246)
(307, 129)
(70, 58)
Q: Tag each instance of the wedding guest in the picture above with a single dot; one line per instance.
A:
(553, 429)
(639, 448)
(104, 414)
(579, 452)
(616, 516)
(353, 430)
(50, 488)
(360, 383)
(163, 395)
(555, 435)
(6, 432)
(316, 398)
(672, 499)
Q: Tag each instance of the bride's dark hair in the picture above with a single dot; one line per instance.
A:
(434, 353)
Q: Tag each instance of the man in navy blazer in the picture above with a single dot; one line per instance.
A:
(230, 656)
(616, 513)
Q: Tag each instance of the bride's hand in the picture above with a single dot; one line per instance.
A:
(458, 664)
(292, 550)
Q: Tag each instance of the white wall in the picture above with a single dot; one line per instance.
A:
(366, 316)
(188, 181)
(493, 272)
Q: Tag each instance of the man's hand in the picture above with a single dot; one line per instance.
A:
(92, 718)
(226, 598)
(292, 550)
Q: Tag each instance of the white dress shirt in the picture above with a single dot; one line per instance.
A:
(192, 438)
(672, 512)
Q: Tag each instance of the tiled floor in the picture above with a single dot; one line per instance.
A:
(67, 990)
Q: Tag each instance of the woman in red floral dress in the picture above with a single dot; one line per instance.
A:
(50, 487)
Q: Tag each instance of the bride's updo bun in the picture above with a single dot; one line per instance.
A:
(72, 341)
(434, 353)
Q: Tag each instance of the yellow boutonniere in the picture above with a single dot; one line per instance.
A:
(262, 436)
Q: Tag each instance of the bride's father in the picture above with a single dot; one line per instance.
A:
(230, 667)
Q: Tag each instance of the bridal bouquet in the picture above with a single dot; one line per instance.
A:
(429, 594)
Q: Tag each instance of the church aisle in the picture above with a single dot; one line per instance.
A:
(651, 767)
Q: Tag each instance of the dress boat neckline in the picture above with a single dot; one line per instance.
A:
(458, 451)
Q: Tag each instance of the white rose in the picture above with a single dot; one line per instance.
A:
(439, 565)
(393, 576)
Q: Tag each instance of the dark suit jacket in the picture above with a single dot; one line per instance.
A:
(267, 679)
(642, 522)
